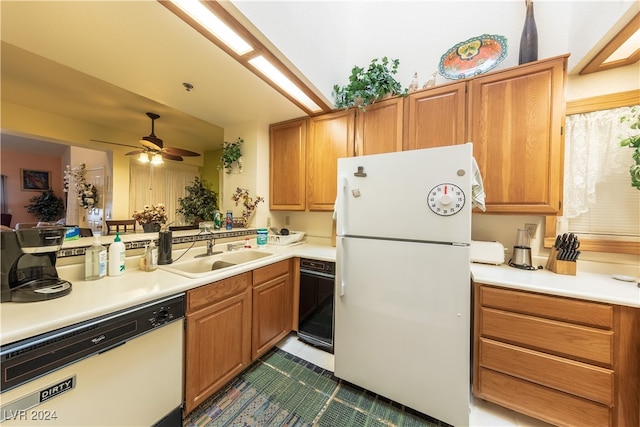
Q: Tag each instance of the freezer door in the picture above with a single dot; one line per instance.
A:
(402, 325)
(419, 194)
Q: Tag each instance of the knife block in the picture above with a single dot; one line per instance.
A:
(559, 266)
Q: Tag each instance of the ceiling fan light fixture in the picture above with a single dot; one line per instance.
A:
(143, 158)
(157, 160)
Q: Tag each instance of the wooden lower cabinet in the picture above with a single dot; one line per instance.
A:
(272, 306)
(565, 361)
(218, 336)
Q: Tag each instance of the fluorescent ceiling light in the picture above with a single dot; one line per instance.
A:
(627, 48)
(276, 76)
(213, 24)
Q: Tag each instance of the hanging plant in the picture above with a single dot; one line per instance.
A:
(248, 203)
(231, 155)
(46, 207)
(633, 141)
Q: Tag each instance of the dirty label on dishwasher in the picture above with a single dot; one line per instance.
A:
(18, 407)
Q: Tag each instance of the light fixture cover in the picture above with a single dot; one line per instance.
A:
(157, 159)
(143, 157)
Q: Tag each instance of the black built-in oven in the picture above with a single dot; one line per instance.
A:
(315, 321)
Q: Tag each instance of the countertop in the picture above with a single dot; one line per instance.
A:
(90, 299)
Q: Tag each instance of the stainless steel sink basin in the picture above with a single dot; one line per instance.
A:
(199, 267)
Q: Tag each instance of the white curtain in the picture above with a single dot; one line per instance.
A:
(151, 185)
(593, 152)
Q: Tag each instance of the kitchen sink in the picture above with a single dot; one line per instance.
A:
(203, 266)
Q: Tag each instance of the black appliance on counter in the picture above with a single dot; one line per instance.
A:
(315, 321)
(28, 268)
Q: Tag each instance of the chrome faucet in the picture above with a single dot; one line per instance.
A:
(210, 244)
(232, 246)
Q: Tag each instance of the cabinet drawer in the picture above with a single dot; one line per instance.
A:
(580, 379)
(217, 291)
(566, 309)
(269, 272)
(541, 402)
(563, 339)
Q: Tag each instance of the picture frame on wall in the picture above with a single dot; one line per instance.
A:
(33, 180)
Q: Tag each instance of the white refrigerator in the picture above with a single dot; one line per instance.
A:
(402, 300)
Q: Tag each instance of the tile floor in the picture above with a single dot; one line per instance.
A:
(483, 414)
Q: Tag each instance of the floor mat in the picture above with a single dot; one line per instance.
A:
(280, 389)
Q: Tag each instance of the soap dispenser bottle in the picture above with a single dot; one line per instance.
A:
(95, 261)
(151, 257)
(116, 257)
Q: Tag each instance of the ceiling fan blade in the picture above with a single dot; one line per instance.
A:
(168, 156)
(132, 153)
(180, 152)
(113, 143)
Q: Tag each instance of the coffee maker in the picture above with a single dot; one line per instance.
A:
(28, 269)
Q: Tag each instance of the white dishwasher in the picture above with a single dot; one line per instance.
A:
(123, 369)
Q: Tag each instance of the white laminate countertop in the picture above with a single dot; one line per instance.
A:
(91, 299)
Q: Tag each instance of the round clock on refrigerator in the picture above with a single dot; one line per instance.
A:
(446, 199)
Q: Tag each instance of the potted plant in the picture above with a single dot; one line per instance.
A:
(231, 155)
(248, 202)
(151, 217)
(46, 207)
(367, 86)
(199, 204)
(633, 141)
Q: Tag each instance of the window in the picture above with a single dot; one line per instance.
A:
(599, 203)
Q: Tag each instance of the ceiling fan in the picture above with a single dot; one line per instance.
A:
(152, 145)
(153, 149)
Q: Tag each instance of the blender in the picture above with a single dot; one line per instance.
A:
(522, 251)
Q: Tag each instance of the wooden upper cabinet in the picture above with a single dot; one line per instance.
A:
(379, 127)
(435, 117)
(287, 143)
(515, 122)
(331, 136)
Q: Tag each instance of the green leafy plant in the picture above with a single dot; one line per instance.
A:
(231, 155)
(46, 207)
(199, 204)
(368, 86)
(633, 141)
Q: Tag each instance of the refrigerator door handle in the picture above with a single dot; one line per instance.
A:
(340, 253)
(340, 205)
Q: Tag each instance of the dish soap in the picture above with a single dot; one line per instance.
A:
(95, 261)
(116, 257)
(151, 257)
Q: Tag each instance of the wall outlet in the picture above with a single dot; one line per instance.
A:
(531, 229)
(287, 220)
(268, 221)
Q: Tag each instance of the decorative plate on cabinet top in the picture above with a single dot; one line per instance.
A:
(473, 57)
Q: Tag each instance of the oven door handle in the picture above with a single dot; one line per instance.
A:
(317, 273)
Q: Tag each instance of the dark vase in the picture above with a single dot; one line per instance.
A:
(529, 39)
(151, 227)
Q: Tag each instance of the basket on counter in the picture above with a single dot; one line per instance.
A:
(277, 239)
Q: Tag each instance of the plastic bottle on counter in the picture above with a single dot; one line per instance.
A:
(143, 259)
(117, 257)
(262, 238)
(95, 261)
(151, 257)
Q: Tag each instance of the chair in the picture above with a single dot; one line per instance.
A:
(121, 226)
(6, 219)
(86, 232)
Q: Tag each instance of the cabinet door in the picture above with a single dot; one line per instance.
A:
(330, 138)
(271, 314)
(287, 165)
(218, 347)
(379, 127)
(515, 123)
(436, 117)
